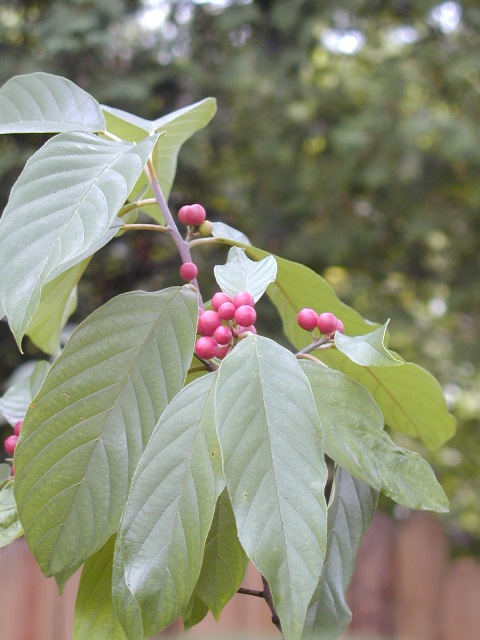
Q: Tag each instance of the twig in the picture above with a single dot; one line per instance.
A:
(267, 594)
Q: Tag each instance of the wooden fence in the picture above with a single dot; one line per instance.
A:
(406, 587)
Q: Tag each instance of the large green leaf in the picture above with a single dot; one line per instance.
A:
(86, 429)
(169, 513)
(275, 471)
(60, 211)
(224, 560)
(44, 103)
(350, 512)
(367, 350)
(94, 613)
(194, 613)
(178, 127)
(411, 399)
(58, 300)
(10, 526)
(14, 403)
(242, 274)
(352, 427)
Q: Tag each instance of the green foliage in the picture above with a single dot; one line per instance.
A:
(161, 472)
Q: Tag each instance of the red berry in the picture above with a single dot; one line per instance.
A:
(196, 215)
(189, 271)
(222, 335)
(184, 214)
(340, 326)
(219, 298)
(243, 298)
(208, 322)
(327, 322)
(241, 330)
(226, 310)
(205, 347)
(245, 315)
(17, 427)
(10, 444)
(307, 319)
(221, 352)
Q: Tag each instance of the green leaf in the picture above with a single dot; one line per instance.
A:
(368, 350)
(60, 211)
(178, 127)
(242, 274)
(5, 472)
(411, 400)
(169, 513)
(350, 513)
(44, 103)
(10, 526)
(58, 300)
(275, 471)
(194, 613)
(352, 427)
(94, 614)
(225, 231)
(88, 426)
(224, 560)
(15, 402)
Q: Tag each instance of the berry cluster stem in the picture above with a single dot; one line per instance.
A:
(315, 345)
(172, 229)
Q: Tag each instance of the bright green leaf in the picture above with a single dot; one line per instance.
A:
(94, 614)
(14, 403)
(242, 274)
(10, 526)
(169, 513)
(44, 103)
(411, 400)
(351, 509)
(194, 613)
(224, 560)
(178, 126)
(275, 471)
(225, 231)
(58, 300)
(86, 429)
(352, 427)
(368, 350)
(60, 211)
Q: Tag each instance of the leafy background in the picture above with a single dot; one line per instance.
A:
(346, 137)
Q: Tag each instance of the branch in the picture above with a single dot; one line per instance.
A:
(267, 594)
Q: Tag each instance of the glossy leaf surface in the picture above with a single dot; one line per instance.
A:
(83, 436)
(275, 471)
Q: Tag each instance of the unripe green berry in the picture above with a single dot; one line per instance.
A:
(206, 228)
(189, 271)
(307, 319)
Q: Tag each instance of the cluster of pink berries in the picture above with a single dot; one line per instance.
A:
(327, 323)
(11, 442)
(194, 215)
(220, 327)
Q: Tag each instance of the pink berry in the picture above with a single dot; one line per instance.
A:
(205, 347)
(243, 298)
(208, 322)
(226, 310)
(245, 315)
(197, 214)
(184, 214)
(241, 330)
(221, 352)
(327, 322)
(222, 335)
(219, 298)
(189, 271)
(307, 319)
(10, 444)
(340, 326)
(17, 427)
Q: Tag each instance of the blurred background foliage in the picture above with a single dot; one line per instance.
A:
(347, 137)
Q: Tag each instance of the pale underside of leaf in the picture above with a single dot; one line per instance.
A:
(10, 525)
(242, 274)
(88, 426)
(367, 350)
(14, 403)
(275, 471)
(169, 513)
(60, 211)
(45, 103)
